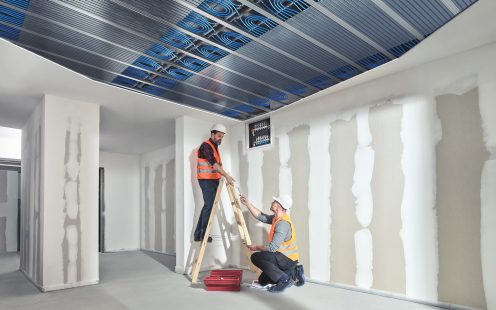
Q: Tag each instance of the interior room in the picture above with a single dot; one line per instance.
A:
(377, 118)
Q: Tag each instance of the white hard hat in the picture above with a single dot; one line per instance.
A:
(285, 201)
(219, 127)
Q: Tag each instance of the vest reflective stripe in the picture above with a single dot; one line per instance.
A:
(207, 170)
(204, 170)
(288, 248)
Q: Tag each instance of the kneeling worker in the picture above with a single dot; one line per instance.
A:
(278, 260)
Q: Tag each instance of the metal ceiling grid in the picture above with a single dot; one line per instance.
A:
(238, 58)
(70, 35)
(302, 48)
(103, 75)
(255, 86)
(369, 19)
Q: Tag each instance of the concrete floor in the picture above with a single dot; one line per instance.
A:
(143, 280)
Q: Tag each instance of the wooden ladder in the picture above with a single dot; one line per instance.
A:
(240, 220)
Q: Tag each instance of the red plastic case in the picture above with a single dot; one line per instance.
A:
(224, 280)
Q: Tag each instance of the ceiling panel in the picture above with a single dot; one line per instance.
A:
(238, 58)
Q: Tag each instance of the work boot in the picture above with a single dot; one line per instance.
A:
(263, 279)
(283, 283)
(300, 276)
(201, 239)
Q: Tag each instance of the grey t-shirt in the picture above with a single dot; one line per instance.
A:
(282, 231)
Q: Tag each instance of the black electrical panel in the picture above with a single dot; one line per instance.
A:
(259, 133)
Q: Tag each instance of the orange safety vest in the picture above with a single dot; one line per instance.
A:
(205, 171)
(288, 248)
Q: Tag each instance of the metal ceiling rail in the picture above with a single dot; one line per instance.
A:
(350, 28)
(451, 6)
(397, 18)
(300, 33)
(149, 56)
(131, 78)
(153, 40)
(251, 37)
(123, 63)
(370, 20)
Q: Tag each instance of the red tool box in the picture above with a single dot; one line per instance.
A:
(224, 280)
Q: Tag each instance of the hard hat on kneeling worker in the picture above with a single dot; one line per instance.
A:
(219, 127)
(285, 201)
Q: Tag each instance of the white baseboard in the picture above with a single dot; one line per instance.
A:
(158, 252)
(179, 269)
(120, 250)
(56, 287)
(38, 286)
(394, 295)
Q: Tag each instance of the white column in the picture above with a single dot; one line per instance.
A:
(61, 198)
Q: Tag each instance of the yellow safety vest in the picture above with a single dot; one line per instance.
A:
(288, 248)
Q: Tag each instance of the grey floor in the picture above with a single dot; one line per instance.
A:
(143, 280)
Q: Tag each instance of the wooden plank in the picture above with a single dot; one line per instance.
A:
(241, 218)
(237, 214)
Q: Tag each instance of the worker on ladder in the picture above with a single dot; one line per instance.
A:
(278, 260)
(209, 172)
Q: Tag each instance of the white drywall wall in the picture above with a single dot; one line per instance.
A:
(157, 174)
(121, 201)
(415, 90)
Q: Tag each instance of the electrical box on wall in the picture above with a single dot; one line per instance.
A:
(259, 133)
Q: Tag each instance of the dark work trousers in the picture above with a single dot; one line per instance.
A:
(273, 266)
(209, 189)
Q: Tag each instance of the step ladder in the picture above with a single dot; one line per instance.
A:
(240, 220)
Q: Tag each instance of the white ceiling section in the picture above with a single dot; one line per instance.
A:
(135, 123)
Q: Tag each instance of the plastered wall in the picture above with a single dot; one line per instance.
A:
(393, 181)
(59, 233)
(157, 170)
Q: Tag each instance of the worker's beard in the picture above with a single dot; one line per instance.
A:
(218, 142)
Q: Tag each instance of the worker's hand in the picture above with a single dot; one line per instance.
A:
(230, 180)
(244, 200)
(252, 247)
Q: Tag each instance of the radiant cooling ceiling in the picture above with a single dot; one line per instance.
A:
(238, 58)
